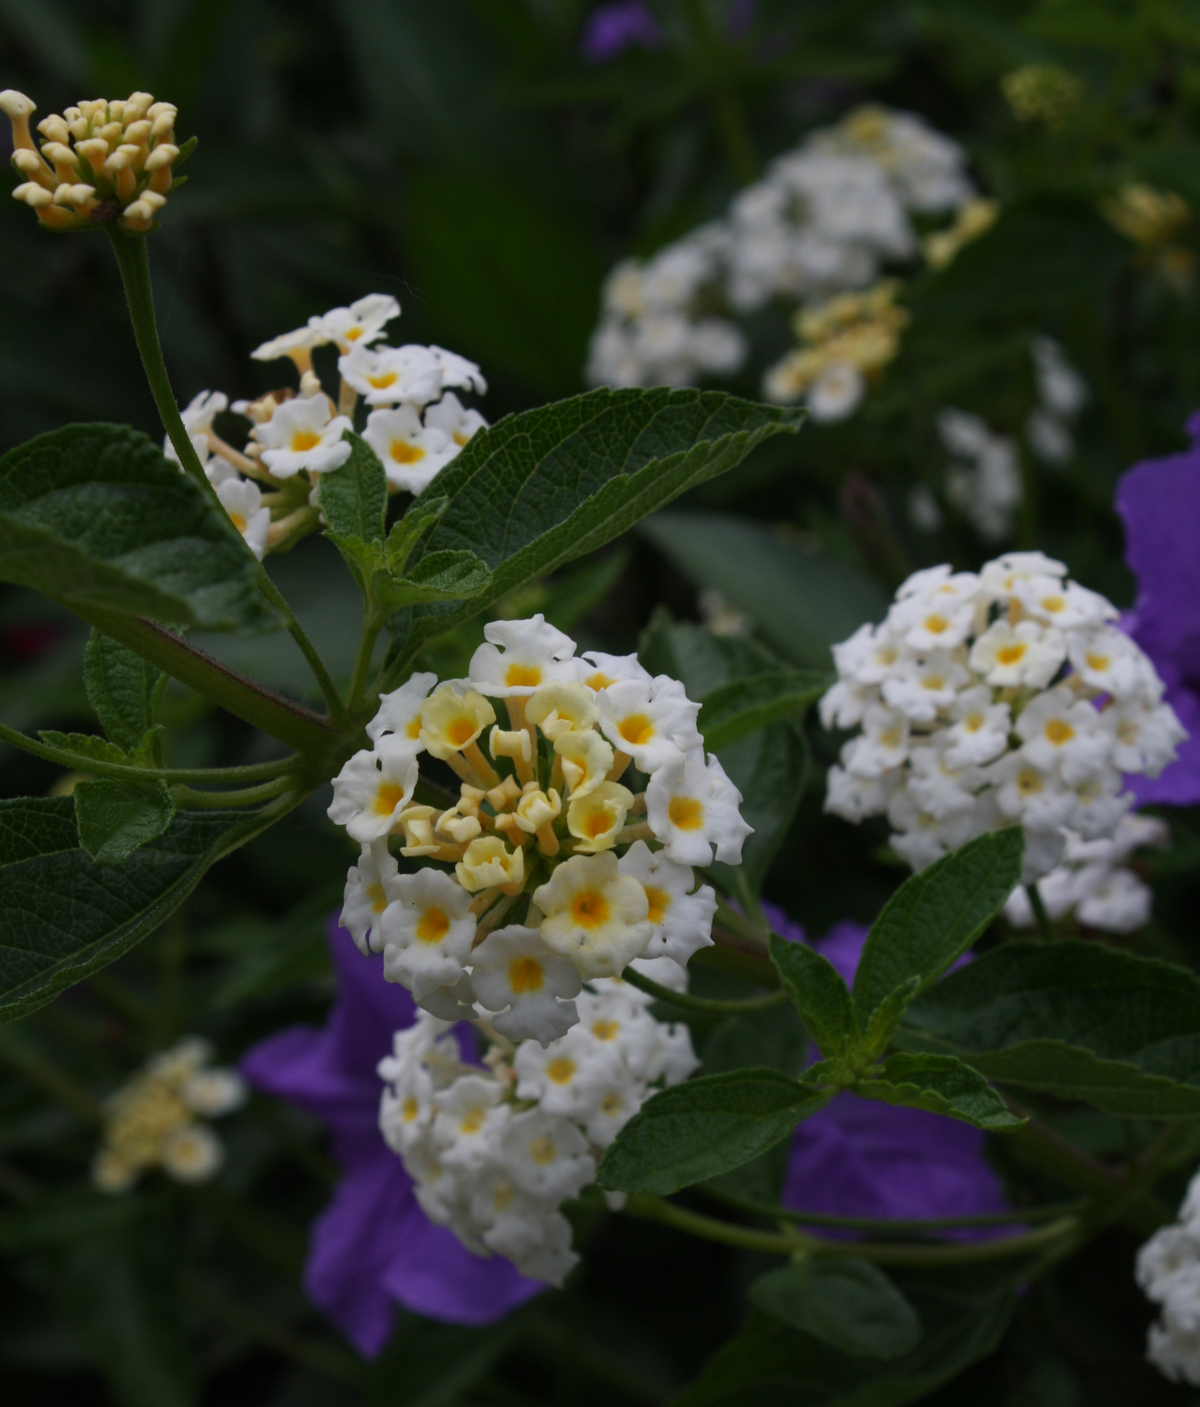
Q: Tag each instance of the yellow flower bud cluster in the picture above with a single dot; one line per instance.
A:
(843, 340)
(99, 163)
(1042, 93)
(1154, 219)
(155, 1119)
(973, 218)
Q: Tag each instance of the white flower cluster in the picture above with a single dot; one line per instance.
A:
(415, 422)
(1062, 393)
(592, 874)
(991, 699)
(154, 1120)
(1094, 882)
(821, 221)
(1168, 1270)
(495, 1152)
(984, 482)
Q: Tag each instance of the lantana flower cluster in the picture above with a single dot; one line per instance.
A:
(101, 162)
(1094, 883)
(156, 1120)
(993, 698)
(547, 870)
(823, 220)
(1168, 1270)
(494, 1151)
(411, 417)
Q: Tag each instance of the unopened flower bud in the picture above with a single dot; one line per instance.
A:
(54, 129)
(18, 109)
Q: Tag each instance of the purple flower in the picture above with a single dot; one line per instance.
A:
(612, 28)
(859, 1157)
(373, 1244)
(1159, 502)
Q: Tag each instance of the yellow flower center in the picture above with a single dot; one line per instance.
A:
(611, 1103)
(304, 440)
(560, 1070)
(388, 797)
(502, 1196)
(377, 897)
(636, 729)
(404, 453)
(589, 909)
(935, 624)
(660, 902)
(597, 823)
(353, 334)
(686, 813)
(973, 722)
(432, 926)
(1053, 604)
(472, 1120)
(383, 380)
(892, 737)
(542, 1150)
(238, 522)
(525, 975)
(1010, 654)
(459, 438)
(934, 681)
(1029, 783)
(460, 731)
(1058, 731)
(605, 1030)
(523, 676)
(598, 681)
(414, 728)
(410, 1109)
(1127, 730)
(1097, 662)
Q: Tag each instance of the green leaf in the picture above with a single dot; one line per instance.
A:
(935, 916)
(122, 688)
(93, 515)
(943, 1085)
(1076, 1020)
(963, 1311)
(703, 1128)
(86, 747)
(63, 916)
(441, 576)
(769, 767)
(843, 1301)
(407, 531)
(354, 497)
(885, 1019)
(802, 600)
(540, 488)
(820, 995)
(731, 712)
(115, 820)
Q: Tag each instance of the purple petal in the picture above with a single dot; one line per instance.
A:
(1159, 503)
(610, 29)
(433, 1274)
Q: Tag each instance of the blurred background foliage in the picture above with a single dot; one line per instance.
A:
(468, 158)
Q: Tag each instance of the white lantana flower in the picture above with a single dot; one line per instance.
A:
(454, 420)
(427, 931)
(399, 712)
(362, 323)
(409, 375)
(682, 919)
(520, 656)
(303, 433)
(411, 453)
(198, 416)
(458, 371)
(1025, 655)
(1168, 1272)
(370, 888)
(517, 975)
(594, 915)
(650, 722)
(297, 345)
(372, 789)
(693, 809)
(242, 500)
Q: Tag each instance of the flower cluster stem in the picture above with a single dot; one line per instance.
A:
(1038, 905)
(134, 265)
(709, 1004)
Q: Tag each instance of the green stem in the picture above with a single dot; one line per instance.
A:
(742, 926)
(371, 626)
(190, 799)
(712, 49)
(291, 723)
(791, 1242)
(1045, 927)
(916, 1226)
(690, 1003)
(134, 264)
(126, 772)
